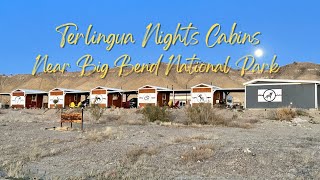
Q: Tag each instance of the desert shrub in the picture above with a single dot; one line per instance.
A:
(301, 112)
(154, 113)
(203, 114)
(96, 111)
(286, 114)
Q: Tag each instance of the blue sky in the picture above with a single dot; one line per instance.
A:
(289, 30)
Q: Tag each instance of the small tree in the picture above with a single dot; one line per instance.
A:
(154, 113)
(96, 111)
(55, 101)
(203, 113)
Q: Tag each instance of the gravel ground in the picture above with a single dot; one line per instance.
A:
(121, 146)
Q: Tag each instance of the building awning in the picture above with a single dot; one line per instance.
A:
(77, 92)
(4, 94)
(182, 91)
(130, 91)
(231, 90)
(177, 91)
(279, 82)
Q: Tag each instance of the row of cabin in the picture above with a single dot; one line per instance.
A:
(107, 97)
(259, 93)
(62, 98)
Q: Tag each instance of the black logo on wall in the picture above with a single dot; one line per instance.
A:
(202, 98)
(146, 97)
(269, 95)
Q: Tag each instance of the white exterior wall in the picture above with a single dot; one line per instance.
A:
(18, 100)
(101, 99)
(147, 98)
(53, 97)
(201, 97)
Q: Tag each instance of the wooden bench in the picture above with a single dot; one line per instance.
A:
(73, 117)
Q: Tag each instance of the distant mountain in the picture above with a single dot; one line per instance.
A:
(72, 80)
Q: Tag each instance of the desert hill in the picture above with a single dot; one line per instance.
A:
(72, 80)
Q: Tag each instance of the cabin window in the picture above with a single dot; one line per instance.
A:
(115, 97)
(75, 97)
(218, 95)
(33, 97)
(164, 97)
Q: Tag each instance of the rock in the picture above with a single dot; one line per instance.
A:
(2, 174)
(247, 150)
(298, 120)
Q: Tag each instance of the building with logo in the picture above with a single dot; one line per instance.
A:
(106, 97)
(153, 95)
(27, 98)
(277, 93)
(61, 97)
(205, 93)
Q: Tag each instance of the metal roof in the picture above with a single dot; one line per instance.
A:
(70, 90)
(31, 91)
(107, 88)
(208, 85)
(157, 88)
(281, 81)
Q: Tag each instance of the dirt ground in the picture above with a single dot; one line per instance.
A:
(122, 146)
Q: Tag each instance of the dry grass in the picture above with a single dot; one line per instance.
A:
(14, 169)
(99, 135)
(301, 112)
(200, 137)
(286, 114)
(182, 139)
(240, 123)
(134, 122)
(37, 151)
(107, 118)
(199, 153)
(133, 154)
(204, 114)
(189, 139)
(206, 146)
